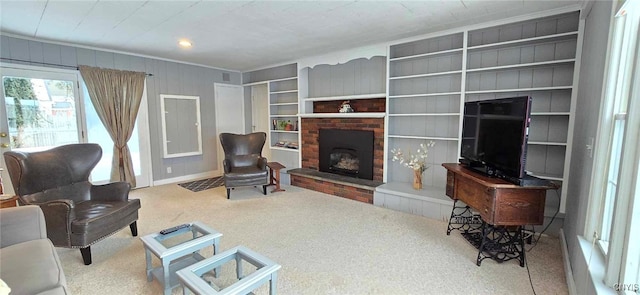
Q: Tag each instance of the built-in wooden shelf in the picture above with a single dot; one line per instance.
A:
(524, 65)
(346, 97)
(284, 91)
(343, 115)
(426, 54)
(525, 41)
(426, 75)
(423, 137)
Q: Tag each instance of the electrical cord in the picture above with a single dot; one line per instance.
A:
(548, 225)
(526, 261)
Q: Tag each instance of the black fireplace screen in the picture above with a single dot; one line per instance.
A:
(346, 152)
(344, 161)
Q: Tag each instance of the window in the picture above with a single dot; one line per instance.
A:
(615, 205)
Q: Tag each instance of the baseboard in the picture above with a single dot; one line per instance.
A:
(571, 284)
(188, 177)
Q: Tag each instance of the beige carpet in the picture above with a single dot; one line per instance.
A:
(325, 244)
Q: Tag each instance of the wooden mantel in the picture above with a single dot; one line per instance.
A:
(343, 115)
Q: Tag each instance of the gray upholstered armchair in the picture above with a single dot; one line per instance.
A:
(78, 213)
(243, 162)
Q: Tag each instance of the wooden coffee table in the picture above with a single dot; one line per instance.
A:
(274, 175)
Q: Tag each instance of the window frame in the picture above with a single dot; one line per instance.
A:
(622, 73)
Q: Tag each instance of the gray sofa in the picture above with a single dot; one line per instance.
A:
(29, 263)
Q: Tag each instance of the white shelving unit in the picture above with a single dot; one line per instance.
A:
(536, 58)
(425, 88)
(430, 79)
(283, 109)
(282, 105)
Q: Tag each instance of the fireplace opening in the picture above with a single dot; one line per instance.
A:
(344, 161)
(346, 152)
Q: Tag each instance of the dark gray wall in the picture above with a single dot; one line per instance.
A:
(168, 78)
(586, 123)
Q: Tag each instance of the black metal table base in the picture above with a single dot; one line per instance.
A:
(498, 243)
(463, 219)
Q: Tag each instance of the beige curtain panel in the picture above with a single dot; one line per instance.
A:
(116, 96)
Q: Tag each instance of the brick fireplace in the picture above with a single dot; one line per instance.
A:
(310, 130)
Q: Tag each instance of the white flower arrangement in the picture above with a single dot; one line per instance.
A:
(418, 161)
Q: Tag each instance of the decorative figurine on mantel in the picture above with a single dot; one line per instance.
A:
(345, 107)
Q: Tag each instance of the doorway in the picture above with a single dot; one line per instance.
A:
(41, 108)
(260, 114)
(229, 106)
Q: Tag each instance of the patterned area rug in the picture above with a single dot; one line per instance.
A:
(203, 184)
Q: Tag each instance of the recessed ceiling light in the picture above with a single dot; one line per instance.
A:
(185, 43)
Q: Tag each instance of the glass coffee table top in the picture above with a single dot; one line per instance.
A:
(262, 269)
(177, 250)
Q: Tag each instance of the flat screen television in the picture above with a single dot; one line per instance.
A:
(494, 137)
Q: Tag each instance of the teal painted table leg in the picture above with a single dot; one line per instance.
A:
(147, 255)
(273, 284)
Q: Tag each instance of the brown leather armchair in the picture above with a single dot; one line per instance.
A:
(243, 162)
(77, 213)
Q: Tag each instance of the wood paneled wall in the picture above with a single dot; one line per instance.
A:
(168, 78)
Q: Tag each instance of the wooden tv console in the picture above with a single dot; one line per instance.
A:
(494, 213)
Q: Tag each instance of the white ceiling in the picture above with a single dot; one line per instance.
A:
(244, 35)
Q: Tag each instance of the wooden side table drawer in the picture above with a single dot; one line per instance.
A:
(469, 192)
(518, 207)
(11, 201)
(488, 205)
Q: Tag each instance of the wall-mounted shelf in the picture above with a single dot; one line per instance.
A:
(424, 137)
(425, 75)
(284, 131)
(526, 41)
(521, 89)
(284, 103)
(425, 94)
(550, 113)
(285, 91)
(284, 116)
(443, 52)
(525, 65)
(424, 114)
(547, 143)
(283, 149)
(343, 115)
(346, 97)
